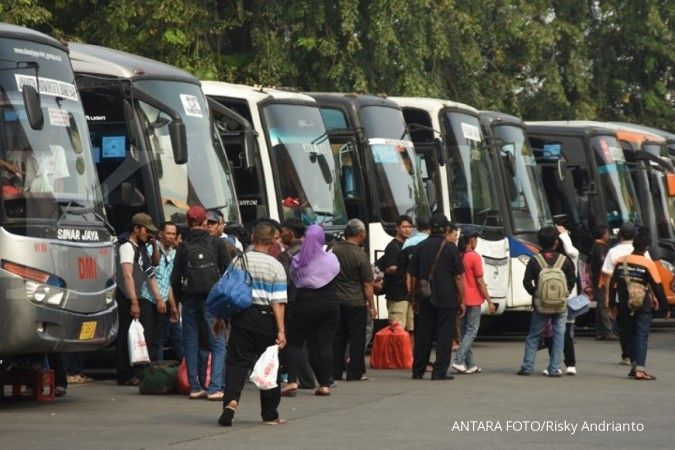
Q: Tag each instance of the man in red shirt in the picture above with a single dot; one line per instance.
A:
(475, 293)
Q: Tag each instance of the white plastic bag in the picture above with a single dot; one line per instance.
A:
(265, 371)
(138, 349)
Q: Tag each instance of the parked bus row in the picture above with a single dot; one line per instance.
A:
(92, 135)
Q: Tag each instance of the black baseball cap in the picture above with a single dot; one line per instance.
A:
(438, 221)
(470, 231)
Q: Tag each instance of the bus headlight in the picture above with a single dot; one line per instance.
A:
(669, 267)
(42, 293)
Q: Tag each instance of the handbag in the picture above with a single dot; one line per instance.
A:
(423, 285)
(577, 306)
(233, 293)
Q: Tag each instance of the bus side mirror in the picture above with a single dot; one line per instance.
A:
(248, 143)
(441, 155)
(670, 181)
(31, 101)
(561, 168)
(325, 170)
(178, 141)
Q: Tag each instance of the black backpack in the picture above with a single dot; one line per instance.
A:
(201, 265)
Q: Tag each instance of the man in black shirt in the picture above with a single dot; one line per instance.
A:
(603, 324)
(394, 279)
(437, 316)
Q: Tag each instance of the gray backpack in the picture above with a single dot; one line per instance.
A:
(552, 292)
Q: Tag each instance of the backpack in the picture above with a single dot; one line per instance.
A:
(552, 292)
(637, 292)
(201, 269)
(233, 293)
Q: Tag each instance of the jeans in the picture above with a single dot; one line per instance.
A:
(638, 333)
(195, 357)
(470, 325)
(169, 331)
(537, 325)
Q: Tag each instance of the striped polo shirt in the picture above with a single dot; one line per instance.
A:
(269, 278)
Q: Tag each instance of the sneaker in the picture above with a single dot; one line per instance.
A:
(556, 374)
(544, 372)
(60, 391)
(571, 370)
(523, 372)
(197, 395)
(460, 368)
(474, 369)
(625, 361)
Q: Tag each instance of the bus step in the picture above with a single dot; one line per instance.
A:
(27, 384)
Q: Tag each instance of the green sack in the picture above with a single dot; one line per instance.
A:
(160, 377)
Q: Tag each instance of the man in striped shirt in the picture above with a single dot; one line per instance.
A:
(258, 327)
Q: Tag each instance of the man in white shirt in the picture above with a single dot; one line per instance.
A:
(43, 170)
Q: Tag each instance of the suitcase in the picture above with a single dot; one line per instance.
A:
(392, 349)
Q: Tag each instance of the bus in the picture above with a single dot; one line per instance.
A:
(155, 146)
(376, 166)
(57, 279)
(454, 155)
(285, 169)
(522, 196)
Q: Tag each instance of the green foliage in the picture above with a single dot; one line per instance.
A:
(539, 59)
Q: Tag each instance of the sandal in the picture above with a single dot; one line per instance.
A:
(292, 392)
(321, 393)
(226, 417)
(274, 422)
(645, 376)
(216, 396)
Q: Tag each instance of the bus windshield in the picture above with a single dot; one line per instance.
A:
(472, 187)
(310, 189)
(524, 191)
(398, 182)
(206, 178)
(615, 182)
(39, 168)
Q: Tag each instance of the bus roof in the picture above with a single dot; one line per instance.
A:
(433, 105)
(252, 93)
(571, 127)
(351, 100)
(494, 116)
(105, 61)
(14, 31)
(663, 133)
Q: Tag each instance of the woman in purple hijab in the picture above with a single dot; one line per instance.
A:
(314, 314)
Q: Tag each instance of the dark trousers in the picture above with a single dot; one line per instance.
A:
(433, 322)
(245, 347)
(57, 365)
(74, 362)
(351, 329)
(148, 319)
(623, 328)
(570, 359)
(603, 323)
(313, 321)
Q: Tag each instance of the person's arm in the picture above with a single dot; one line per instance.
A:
(224, 256)
(369, 294)
(459, 282)
(159, 301)
(177, 274)
(173, 307)
(278, 309)
(529, 279)
(154, 253)
(570, 273)
(130, 289)
(611, 289)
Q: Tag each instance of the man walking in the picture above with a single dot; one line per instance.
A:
(550, 259)
(354, 286)
(200, 260)
(437, 260)
(603, 323)
(398, 307)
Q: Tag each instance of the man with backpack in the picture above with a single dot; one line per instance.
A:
(549, 278)
(200, 261)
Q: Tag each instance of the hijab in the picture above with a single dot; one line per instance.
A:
(313, 267)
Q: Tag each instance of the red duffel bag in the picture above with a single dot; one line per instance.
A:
(184, 383)
(391, 349)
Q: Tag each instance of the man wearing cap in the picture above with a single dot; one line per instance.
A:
(475, 293)
(623, 248)
(200, 261)
(133, 269)
(436, 259)
(216, 223)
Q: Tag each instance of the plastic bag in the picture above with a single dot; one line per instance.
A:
(392, 349)
(184, 382)
(138, 349)
(266, 369)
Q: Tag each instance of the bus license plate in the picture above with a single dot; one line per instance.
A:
(88, 330)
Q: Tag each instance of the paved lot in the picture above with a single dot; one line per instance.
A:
(389, 411)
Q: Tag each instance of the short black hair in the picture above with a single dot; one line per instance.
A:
(296, 226)
(641, 241)
(423, 222)
(274, 223)
(547, 237)
(627, 231)
(163, 225)
(599, 231)
(452, 226)
(403, 218)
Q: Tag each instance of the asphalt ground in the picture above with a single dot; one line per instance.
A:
(598, 408)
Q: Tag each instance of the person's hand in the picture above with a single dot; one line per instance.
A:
(373, 312)
(161, 306)
(462, 310)
(491, 308)
(561, 229)
(175, 314)
(218, 327)
(612, 312)
(11, 168)
(135, 310)
(281, 339)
